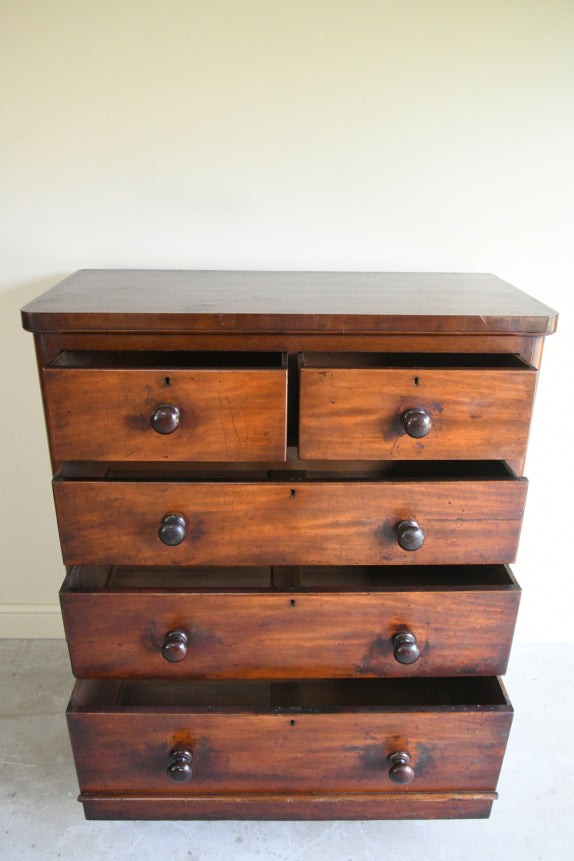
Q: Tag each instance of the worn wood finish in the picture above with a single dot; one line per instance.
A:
(163, 300)
(367, 651)
(283, 523)
(224, 415)
(284, 806)
(257, 747)
(249, 633)
(477, 413)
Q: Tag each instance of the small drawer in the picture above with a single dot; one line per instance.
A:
(409, 407)
(384, 517)
(391, 735)
(167, 407)
(331, 622)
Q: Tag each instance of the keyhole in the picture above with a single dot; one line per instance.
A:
(416, 381)
(167, 381)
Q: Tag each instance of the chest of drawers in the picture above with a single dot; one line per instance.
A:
(287, 503)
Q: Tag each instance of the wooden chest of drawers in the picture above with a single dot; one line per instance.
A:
(287, 503)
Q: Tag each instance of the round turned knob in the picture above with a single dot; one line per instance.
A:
(172, 529)
(405, 646)
(400, 769)
(410, 535)
(174, 647)
(165, 418)
(179, 768)
(417, 422)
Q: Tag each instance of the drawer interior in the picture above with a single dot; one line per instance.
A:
(324, 695)
(176, 359)
(291, 470)
(361, 361)
(266, 579)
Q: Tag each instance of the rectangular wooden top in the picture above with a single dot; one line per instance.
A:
(136, 300)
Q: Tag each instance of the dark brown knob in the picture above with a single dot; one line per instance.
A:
(174, 647)
(179, 768)
(172, 529)
(165, 418)
(405, 646)
(410, 535)
(417, 422)
(400, 768)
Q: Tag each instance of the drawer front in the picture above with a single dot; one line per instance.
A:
(354, 414)
(166, 415)
(132, 751)
(289, 635)
(275, 523)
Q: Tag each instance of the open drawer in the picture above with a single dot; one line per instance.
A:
(158, 739)
(402, 514)
(130, 406)
(288, 623)
(414, 406)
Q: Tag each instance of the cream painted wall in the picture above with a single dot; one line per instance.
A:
(308, 135)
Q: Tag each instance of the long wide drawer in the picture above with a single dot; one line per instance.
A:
(405, 407)
(425, 521)
(222, 408)
(335, 623)
(344, 735)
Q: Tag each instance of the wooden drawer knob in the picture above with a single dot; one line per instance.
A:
(172, 529)
(405, 646)
(417, 422)
(174, 647)
(179, 768)
(400, 769)
(410, 535)
(165, 418)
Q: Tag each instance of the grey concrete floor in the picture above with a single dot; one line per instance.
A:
(40, 818)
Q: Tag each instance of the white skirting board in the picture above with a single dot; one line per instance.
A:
(43, 621)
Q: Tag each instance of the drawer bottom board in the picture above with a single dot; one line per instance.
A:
(297, 806)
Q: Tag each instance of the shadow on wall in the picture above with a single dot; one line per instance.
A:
(19, 381)
(31, 559)
(13, 298)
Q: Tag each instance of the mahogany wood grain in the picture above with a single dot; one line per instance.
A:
(477, 413)
(224, 415)
(247, 633)
(284, 523)
(183, 648)
(50, 344)
(284, 806)
(163, 300)
(126, 747)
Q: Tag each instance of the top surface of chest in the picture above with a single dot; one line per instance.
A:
(340, 302)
